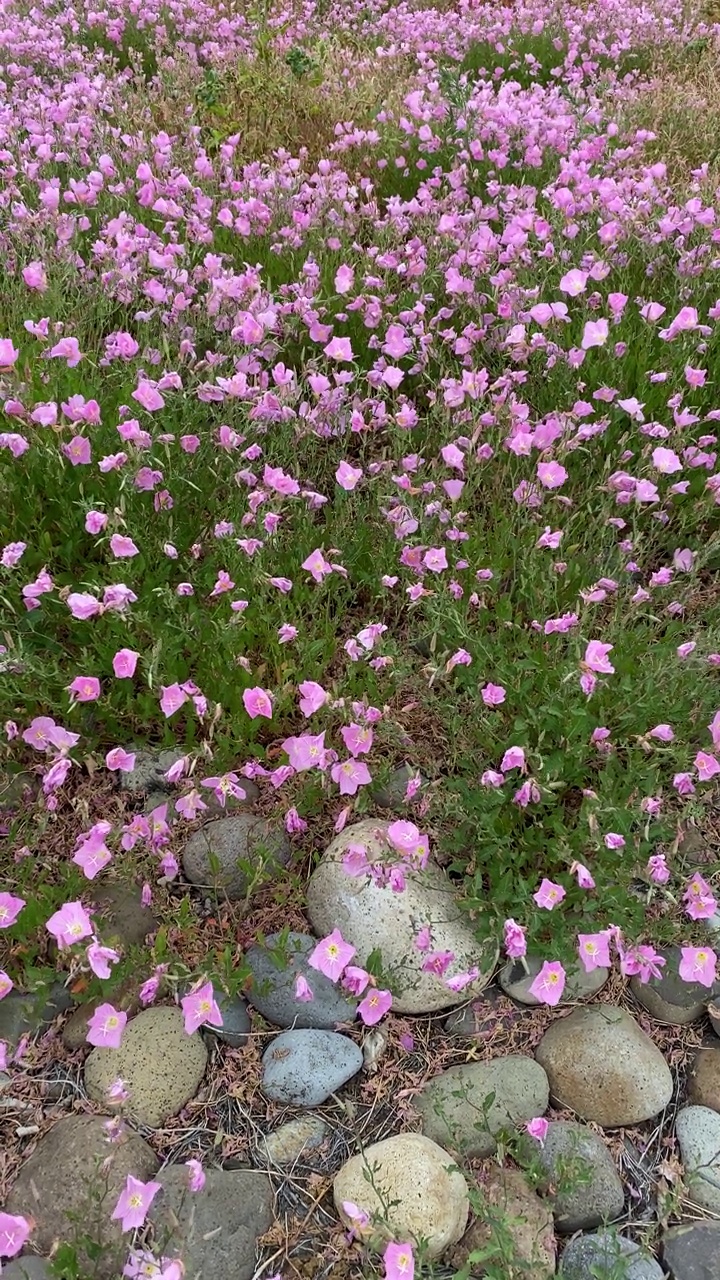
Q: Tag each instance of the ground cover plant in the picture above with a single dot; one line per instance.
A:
(359, 409)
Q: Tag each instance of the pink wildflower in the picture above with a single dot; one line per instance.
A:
(201, 1007)
(106, 1026)
(133, 1203)
(549, 984)
(258, 702)
(331, 955)
(374, 1006)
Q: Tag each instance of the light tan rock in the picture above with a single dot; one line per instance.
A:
(510, 1209)
(162, 1066)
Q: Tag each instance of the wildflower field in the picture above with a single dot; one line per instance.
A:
(359, 462)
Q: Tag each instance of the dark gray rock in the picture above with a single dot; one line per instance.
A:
(214, 1231)
(59, 1185)
(670, 999)
(236, 1026)
(465, 1107)
(605, 1255)
(22, 1014)
(228, 852)
(698, 1133)
(302, 1068)
(119, 914)
(391, 795)
(577, 1162)
(692, 1251)
(27, 1268)
(275, 967)
(17, 790)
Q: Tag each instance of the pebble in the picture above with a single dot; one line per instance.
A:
(302, 1068)
(236, 1026)
(391, 795)
(149, 772)
(228, 852)
(161, 1065)
(577, 1162)
(122, 920)
(28, 1268)
(704, 1079)
(698, 1133)
(24, 1013)
(579, 985)
(373, 918)
(274, 968)
(52, 1187)
(669, 999)
(292, 1140)
(604, 1067)
(16, 790)
(596, 1257)
(415, 1189)
(692, 1251)
(522, 1216)
(455, 1112)
(213, 1232)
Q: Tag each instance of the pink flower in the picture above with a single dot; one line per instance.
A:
(201, 1007)
(549, 894)
(699, 901)
(339, 349)
(134, 1201)
(537, 1128)
(106, 1026)
(573, 282)
(595, 334)
(82, 605)
(435, 559)
(173, 697)
(683, 784)
(6, 983)
(492, 695)
(303, 990)
(596, 658)
(350, 775)
(514, 940)
(491, 778)
(684, 650)
(120, 759)
(666, 461)
(313, 697)
(84, 688)
(95, 521)
(514, 758)
(584, 878)
(614, 841)
(551, 475)
(594, 951)
(357, 738)
(658, 869)
(374, 1006)
(71, 923)
(8, 354)
(148, 396)
(344, 279)
(14, 1231)
(698, 964)
(258, 702)
(122, 547)
(10, 908)
(355, 979)
(399, 1262)
(66, 349)
(706, 765)
(662, 732)
(124, 663)
(100, 958)
(641, 961)
(549, 983)
(347, 476)
(196, 1181)
(331, 955)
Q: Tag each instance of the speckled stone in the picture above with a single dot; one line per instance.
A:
(27, 1268)
(232, 842)
(293, 1140)
(214, 1232)
(119, 914)
(302, 1068)
(669, 999)
(149, 772)
(453, 1106)
(704, 1079)
(161, 1065)
(24, 1013)
(527, 1220)
(582, 1201)
(698, 1133)
(692, 1251)
(272, 991)
(598, 1257)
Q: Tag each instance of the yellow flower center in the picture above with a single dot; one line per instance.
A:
(112, 1022)
(135, 1201)
(333, 951)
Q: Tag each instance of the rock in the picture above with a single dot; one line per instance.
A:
(704, 1079)
(669, 999)
(579, 985)
(236, 1027)
(214, 1232)
(698, 1133)
(596, 1257)
(375, 918)
(60, 1184)
(28, 1268)
(302, 1068)
(714, 1016)
(161, 1065)
(292, 1140)
(149, 772)
(24, 1013)
(229, 852)
(232, 803)
(122, 920)
(588, 1191)
(454, 1107)
(694, 848)
(512, 1209)
(274, 968)
(74, 1033)
(692, 1251)
(16, 791)
(415, 1192)
(391, 795)
(603, 1067)
(463, 1023)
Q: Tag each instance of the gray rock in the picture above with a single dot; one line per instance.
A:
(578, 1164)
(236, 1027)
(463, 1108)
(670, 999)
(232, 805)
(391, 795)
(149, 772)
(374, 918)
(274, 969)
(698, 1133)
(302, 1068)
(292, 1140)
(229, 852)
(160, 1063)
(692, 1251)
(61, 1184)
(27, 1268)
(579, 985)
(704, 1079)
(17, 790)
(214, 1232)
(604, 1067)
(597, 1257)
(25, 1013)
(119, 914)
(714, 1016)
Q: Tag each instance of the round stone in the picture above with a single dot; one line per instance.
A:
(149, 772)
(454, 1110)
(692, 1251)
(410, 1186)
(122, 920)
(230, 852)
(58, 1186)
(24, 1013)
(579, 985)
(670, 999)
(75, 1030)
(704, 1079)
(509, 1201)
(275, 966)
(236, 1025)
(293, 1140)
(160, 1063)
(28, 1268)
(376, 919)
(391, 795)
(698, 1133)
(16, 791)
(213, 1232)
(303, 1068)
(604, 1067)
(586, 1189)
(606, 1254)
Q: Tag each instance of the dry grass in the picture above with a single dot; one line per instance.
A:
(681, 107)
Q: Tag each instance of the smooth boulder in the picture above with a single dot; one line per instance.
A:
(302, 1068)
(214, 1231)
(464, 1107)
(583, 1185)
(275, 966)
(698, 1134)
(229, 854)
(161, 1064)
